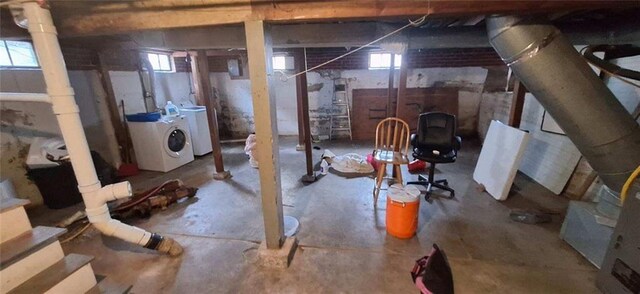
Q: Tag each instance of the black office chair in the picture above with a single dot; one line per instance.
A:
(435, 142)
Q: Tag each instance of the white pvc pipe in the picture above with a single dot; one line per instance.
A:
(95, 197)
(24, 97)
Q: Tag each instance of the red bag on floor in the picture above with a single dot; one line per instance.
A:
(417, 166)
(372, 161)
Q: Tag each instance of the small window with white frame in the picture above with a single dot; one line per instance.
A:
(160, 62)
(17, 54)
(383, 60)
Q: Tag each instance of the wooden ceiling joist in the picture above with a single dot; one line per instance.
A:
(84, 18)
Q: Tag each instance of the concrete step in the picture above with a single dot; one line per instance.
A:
(72, 274)
(26, 244)
(108, 286)
(13, 218)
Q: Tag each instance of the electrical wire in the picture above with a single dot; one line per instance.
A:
(627, 184)
(414, 23)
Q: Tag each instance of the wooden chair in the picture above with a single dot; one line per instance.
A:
(392, 145)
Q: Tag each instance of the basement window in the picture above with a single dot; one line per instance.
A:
(17, 54)
(383, 60)
(160, 62)
(283, 62)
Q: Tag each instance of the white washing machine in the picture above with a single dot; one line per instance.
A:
(199, 128)
(162, 145)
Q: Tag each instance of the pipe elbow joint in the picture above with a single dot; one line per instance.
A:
(117, 229)
(115, 191)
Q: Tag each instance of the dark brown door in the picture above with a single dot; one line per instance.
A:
(369, 107)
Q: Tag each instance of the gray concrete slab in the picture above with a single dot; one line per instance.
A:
(343, 243)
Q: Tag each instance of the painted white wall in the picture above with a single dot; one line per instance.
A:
(235, 102)
(127, 88)
(22, 122)
(173, 87)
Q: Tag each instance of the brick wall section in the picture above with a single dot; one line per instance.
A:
(424, 58)
(357, 60)
(78, 58)
(181, 65)
(219, 63)
(456, 57)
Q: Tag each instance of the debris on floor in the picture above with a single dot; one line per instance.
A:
(348, 165)
(142, 204)
(530, 216)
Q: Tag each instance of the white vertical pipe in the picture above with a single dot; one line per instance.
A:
(95, 197)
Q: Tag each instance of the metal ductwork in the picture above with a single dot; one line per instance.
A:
(555, 73)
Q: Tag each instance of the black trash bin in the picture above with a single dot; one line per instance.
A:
(58, 184)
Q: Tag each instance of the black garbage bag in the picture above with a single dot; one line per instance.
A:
(432, 273)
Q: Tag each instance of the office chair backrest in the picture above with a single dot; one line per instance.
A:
(392, 134)
(436, 131)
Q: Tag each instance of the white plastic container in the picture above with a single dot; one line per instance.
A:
(171, 110)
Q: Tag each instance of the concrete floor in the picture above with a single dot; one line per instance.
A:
(343, 244)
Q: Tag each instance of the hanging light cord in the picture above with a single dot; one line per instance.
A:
(414, 23)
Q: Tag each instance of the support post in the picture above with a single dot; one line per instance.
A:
(260, 53)
(204, 97)
(515, 113)
(392, 70)
(298, 60)
(303, 98)
(114, 111)
(402, 83)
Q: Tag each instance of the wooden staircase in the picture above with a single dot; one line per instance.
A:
(32, 260)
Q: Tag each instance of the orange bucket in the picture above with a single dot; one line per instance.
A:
(402, 212)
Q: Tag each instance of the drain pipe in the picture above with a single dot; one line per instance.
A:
(582, 105)
(95, 196)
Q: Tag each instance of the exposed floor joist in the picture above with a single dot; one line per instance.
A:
(100, 18)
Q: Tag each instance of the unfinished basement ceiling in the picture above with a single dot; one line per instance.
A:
(463, 30)
(618, 26)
